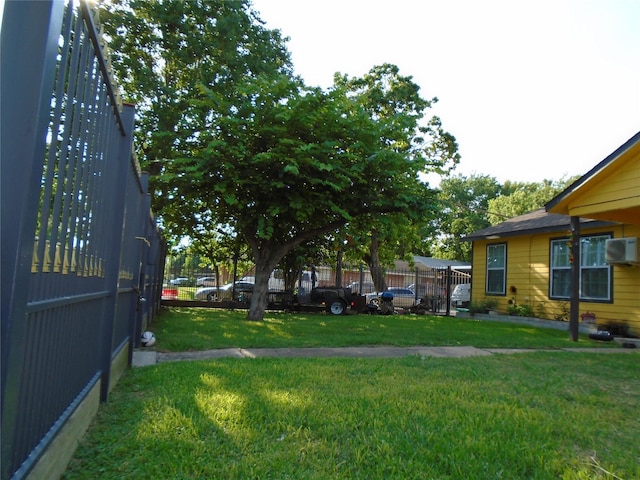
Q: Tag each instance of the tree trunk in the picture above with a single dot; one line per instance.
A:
(373, 260)
(339, 269)
(266, 260)
(266, 255)
(260, 295)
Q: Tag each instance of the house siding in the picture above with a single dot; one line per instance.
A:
(617, 189)
(528, 270)
(610, 191)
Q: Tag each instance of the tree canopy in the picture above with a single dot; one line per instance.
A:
(289, 163)
(395, 101)
(518, 198)
(243, 143)
(163, 53)
(463, 203)
(467, 204)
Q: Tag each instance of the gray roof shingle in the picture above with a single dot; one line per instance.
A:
(533, 222)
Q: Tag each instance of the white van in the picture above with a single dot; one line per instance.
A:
(461, 295)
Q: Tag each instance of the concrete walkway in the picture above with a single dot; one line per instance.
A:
(143, 358)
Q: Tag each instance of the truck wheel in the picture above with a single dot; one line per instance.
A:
(336, 306)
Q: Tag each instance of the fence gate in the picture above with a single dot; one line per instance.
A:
(79, 243)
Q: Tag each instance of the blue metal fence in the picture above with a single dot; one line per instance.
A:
(82, 258)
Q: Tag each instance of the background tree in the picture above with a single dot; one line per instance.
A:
(222, 250)
(518, 198)
(395, 101)
(379, 240)
(304, 257)
(463, 202)
(471, 203)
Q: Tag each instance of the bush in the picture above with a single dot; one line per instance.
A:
(520, 310)
(484, 306)
(490, 303)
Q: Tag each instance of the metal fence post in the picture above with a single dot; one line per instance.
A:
(448, 290)
(29, 37)
(120, 168)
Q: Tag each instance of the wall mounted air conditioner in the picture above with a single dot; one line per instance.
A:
(622, 251)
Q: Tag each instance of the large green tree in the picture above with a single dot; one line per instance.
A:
(163, 52)
(242, 143)
(288, 163)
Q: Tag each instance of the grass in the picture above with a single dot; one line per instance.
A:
(183, 329)
(537, 415)
(187, 293)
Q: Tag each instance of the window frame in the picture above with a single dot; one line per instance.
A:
(503, 268)
(565, 268)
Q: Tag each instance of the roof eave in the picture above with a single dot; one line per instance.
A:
(559, 204)
(587, 224)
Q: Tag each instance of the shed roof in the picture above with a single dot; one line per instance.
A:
(429, 262)
(439, 262)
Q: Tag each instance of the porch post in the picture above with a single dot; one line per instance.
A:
(575, 278)
(448, 290)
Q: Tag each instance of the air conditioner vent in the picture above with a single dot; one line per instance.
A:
(622, 251)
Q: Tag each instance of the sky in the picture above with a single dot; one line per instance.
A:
(531, 89)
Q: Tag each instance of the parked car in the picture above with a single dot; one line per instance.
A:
(461, 295)
(275, 284)
(180, 281)
(367, 287)
(206, 282)
(215, 294)
(402, 297)
(169, 293)
(428, 290)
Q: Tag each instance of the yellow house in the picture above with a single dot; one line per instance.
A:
(577, 258)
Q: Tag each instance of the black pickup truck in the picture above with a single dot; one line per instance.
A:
(336, 299)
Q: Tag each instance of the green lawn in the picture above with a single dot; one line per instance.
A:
(182, 329)
(537, 415)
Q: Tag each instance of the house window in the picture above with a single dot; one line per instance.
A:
(496, 269)
(560, 269)
(595, 274)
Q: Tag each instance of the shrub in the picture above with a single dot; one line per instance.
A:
(523, 310)
(484, 306)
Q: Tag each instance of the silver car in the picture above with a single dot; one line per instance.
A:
(205, 282)
(215, 294)
(367, 287)
(402, 297)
